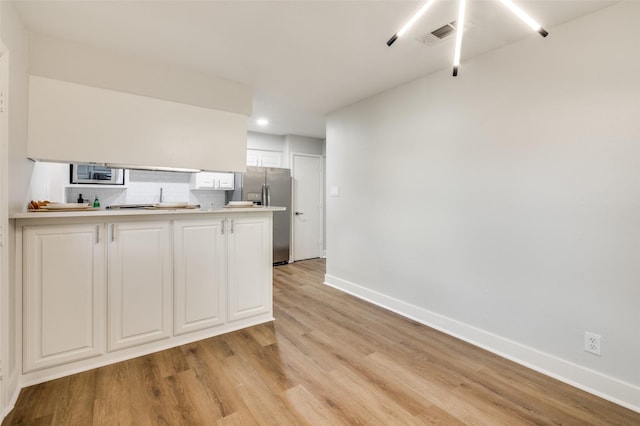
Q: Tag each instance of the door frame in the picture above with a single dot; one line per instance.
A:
(293, 201)
(9, 321)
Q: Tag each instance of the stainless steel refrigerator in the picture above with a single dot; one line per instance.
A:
(269, 186)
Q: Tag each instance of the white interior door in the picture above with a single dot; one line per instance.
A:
(307, 206)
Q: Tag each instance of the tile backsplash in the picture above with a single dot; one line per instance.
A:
(144, 188)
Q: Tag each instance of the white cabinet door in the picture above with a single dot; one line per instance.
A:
(208, 180)
(139, 283)
(203, 180)
(200, 256)
(64, 294)
(226, 181)
(249, 267)
(252, 157)
(262, 158)
(270, 159)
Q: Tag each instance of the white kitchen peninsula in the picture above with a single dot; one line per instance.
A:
(102, 286)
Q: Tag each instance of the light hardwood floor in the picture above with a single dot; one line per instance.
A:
(328, 359)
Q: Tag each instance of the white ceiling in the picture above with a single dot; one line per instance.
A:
(304, 58)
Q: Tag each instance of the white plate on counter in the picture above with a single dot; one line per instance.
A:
(65, 206)
(240, 204)
(174, 205)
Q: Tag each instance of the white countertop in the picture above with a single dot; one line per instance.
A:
(140, 212)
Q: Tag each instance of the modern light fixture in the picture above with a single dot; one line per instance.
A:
(526, 18)
(411, 21)
(460, 25)
(459, 31)
(262, 122)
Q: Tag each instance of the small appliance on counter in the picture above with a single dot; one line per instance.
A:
(94, 174)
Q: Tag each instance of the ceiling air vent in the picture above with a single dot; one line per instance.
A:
(444, 31)
(440, 33)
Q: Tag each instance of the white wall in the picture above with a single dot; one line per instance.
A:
(502, 205)
(285, 144)
(265, 142)
(48, 181)
(83, 64)
(13, 36)
(76, 123)
(303, 144)
(20, 168)
(215, 127)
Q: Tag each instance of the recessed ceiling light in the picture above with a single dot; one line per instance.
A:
(262, 121)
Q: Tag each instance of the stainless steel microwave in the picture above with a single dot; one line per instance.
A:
(94, 174)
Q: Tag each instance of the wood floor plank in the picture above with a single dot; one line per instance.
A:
(192, 399)
(264, 334)
(169, 362)
(309, 410)
(265, 406)
(112, 403)
(258, 358)
(327, 359)
(305, 368)
(434, 415)
(206, 361)
(75, 403)
(152, 402)
(25, 405)
(370, 397)
(239, 418)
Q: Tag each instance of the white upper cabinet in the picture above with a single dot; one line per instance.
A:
(204, 180)
(226, 181)
(252, 157)
(208, 180)
(261, 158)
(64, 277)
(75, 123)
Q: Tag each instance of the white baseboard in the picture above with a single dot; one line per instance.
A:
(13, 381)
(609, 388)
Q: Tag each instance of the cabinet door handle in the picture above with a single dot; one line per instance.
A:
(114, 229)
(222, 226)
(98, 234)
(232, 226)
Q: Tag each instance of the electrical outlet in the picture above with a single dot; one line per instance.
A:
(592, 343)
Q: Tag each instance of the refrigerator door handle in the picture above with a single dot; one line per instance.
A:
(266, 195)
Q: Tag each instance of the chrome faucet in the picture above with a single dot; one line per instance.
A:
(161, 194)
